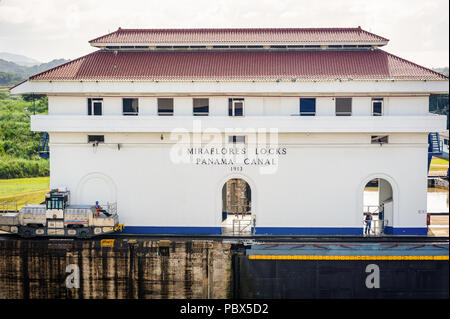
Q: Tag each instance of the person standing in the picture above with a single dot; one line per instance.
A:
(368, 221)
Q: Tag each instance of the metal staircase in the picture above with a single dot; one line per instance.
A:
(43, 146)
(434, 147)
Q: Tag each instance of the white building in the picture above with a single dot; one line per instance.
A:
(152, 119)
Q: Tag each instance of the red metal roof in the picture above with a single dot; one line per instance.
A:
(239, 36)
(229, 65)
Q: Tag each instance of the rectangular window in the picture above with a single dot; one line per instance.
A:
(165, 107)
(130, 106)
(236, 107)
(377, 106)
(343, 106)
(307, 106)
(379, 139)
(236, 139)
(201, 107)
(96, 139)
(95, 106)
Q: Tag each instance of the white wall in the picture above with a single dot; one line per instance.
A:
(406, 105)
(254, 106)
(67, 105)
(312, 187)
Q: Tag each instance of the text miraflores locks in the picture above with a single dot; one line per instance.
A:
(236, 155)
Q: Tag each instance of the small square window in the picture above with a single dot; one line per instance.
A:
(165, 107)
(95, 106)
(201, 107)
(377, 106)
(236, 107)
(343, 106)
(307, 106)
(96, 139)
(130, 106)
(236, 139)
(379, 139)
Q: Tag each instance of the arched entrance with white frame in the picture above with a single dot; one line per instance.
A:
(378, 205)
(236, 205)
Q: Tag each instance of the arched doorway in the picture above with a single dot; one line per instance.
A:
(378, 207)
(237, 218)
(96, 187)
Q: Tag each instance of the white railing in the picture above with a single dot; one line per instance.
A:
(376, 224)
(243, 226)
(167, 122)
(111, 208)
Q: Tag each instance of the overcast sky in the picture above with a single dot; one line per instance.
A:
(418, 30)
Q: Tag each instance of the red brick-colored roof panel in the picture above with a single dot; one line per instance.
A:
(260, 65)
(236, 36)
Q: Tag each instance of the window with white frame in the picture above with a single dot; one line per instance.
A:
(236, 107)
(377, 106)
(95, 106)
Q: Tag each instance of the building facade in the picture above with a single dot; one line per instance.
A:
(274, 130)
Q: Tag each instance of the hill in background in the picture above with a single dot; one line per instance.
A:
(12, 73)
(19, 59)
(443, 70)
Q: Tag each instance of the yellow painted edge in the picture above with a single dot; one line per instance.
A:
(107, 243)
(324, 257)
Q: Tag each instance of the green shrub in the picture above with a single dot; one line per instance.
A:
(20, 168)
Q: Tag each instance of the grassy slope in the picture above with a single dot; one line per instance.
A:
(24, 190)
(23, 185)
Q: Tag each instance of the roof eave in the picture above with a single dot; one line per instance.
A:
(305, 43)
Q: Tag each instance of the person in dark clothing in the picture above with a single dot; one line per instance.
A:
(368, 221)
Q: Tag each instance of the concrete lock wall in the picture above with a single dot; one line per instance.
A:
(114, 269)
(316, 187)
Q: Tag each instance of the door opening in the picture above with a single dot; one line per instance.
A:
(237, 217)
(378, 207)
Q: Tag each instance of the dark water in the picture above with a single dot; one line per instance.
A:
(145, 268)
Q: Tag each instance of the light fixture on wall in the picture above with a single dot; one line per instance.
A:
(162, 137)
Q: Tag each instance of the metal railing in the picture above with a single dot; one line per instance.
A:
(304, 114)
(111, 208)
(11, 206)
(243, 226)
(376, 225)
(343, 113)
